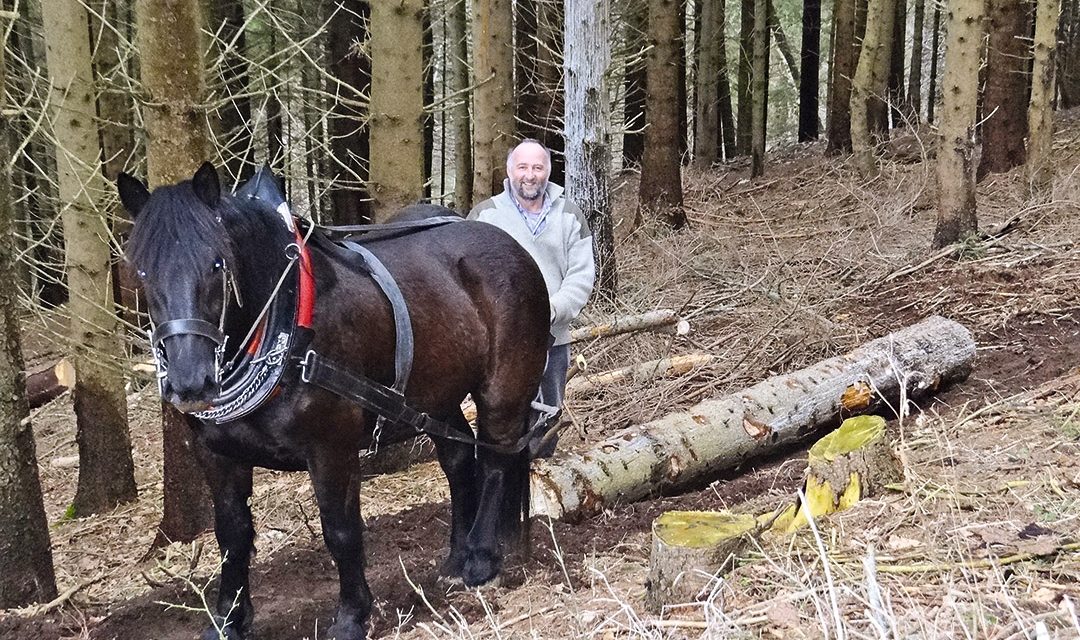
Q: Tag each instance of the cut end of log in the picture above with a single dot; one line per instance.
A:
(65, 373)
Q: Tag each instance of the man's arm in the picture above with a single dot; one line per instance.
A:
(577, 284)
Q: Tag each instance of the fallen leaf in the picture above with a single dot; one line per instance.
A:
(783, 614)
(899, 543)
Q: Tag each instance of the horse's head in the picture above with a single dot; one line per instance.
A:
(183, 255)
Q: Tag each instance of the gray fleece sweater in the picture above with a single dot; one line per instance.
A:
(563, 250)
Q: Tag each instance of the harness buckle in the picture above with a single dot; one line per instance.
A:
(306, 365)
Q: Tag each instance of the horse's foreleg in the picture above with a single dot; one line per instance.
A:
(335, 475)
(230, 484)
(458, 462)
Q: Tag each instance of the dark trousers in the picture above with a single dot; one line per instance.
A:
(552, 391)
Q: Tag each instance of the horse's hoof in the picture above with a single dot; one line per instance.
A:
(453, 567)
(346, 630)
(481, 567)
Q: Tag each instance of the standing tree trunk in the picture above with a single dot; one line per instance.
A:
(1005, 97)
(526, 73)
(1040, 115)
(931, 90)
(106, 470)
(898, 42)
(723, 88)
(457, 26)
(588, 147)
(870, 83)
(759, 115)
(955, 165)
(879, 103)
(661, 185)
(350, 143)
(810, 69)
(633, 143)
(782, 44)
(710, 48)
(493, 97)
(397, 105)
(24, 532)
(1068, 72)
(551, 22)
(745, 102)
(845, 57)
(114, 106)
(177, 144)
(914, 87)
(226, 20)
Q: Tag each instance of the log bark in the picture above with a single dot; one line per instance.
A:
(44, 386)
(718, 434)
(661, 320)
(673, 366)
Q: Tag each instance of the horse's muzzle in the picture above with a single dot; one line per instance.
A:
(190, 396)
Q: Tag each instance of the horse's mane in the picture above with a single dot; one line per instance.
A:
(177, 228)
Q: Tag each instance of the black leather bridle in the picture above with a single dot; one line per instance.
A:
(191, 326)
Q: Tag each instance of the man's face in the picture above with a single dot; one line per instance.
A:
(528, 172)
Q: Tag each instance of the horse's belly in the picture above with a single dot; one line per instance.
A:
(242, 442)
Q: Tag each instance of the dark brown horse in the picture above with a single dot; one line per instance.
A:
(479, 313)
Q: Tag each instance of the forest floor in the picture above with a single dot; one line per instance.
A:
(773, 275)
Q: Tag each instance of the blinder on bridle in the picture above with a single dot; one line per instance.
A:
(193, 326)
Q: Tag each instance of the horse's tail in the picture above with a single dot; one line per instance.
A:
(525, 503)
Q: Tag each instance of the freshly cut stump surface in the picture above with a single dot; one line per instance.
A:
(691, 548)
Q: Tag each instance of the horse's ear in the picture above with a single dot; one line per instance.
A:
(207, 186)
(133, 193)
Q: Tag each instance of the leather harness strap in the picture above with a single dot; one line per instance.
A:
(385, 402)
(403, 351)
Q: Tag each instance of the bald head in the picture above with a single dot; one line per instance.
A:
(528, 166)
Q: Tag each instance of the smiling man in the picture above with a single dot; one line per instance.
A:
(554, 232)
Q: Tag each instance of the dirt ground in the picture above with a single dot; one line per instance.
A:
(774, 275)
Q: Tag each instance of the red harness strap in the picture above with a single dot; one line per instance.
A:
(306, 299)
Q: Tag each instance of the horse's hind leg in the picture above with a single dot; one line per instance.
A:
(458, 462)
(335, 475)
(230, 484)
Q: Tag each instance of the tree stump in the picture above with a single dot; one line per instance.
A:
(851, 463)
(689, 549)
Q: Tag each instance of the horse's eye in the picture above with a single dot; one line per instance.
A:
(141, 274)
(219, 264)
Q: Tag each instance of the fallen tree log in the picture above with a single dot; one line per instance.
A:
(47, 384)
(714, 435)
(673, 366)
(664, 320)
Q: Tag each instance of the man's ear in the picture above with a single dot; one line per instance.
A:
(133, 193)
(207, 186)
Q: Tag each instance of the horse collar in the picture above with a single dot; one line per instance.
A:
(285, 328)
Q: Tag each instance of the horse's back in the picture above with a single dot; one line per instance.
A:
(475, 297)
